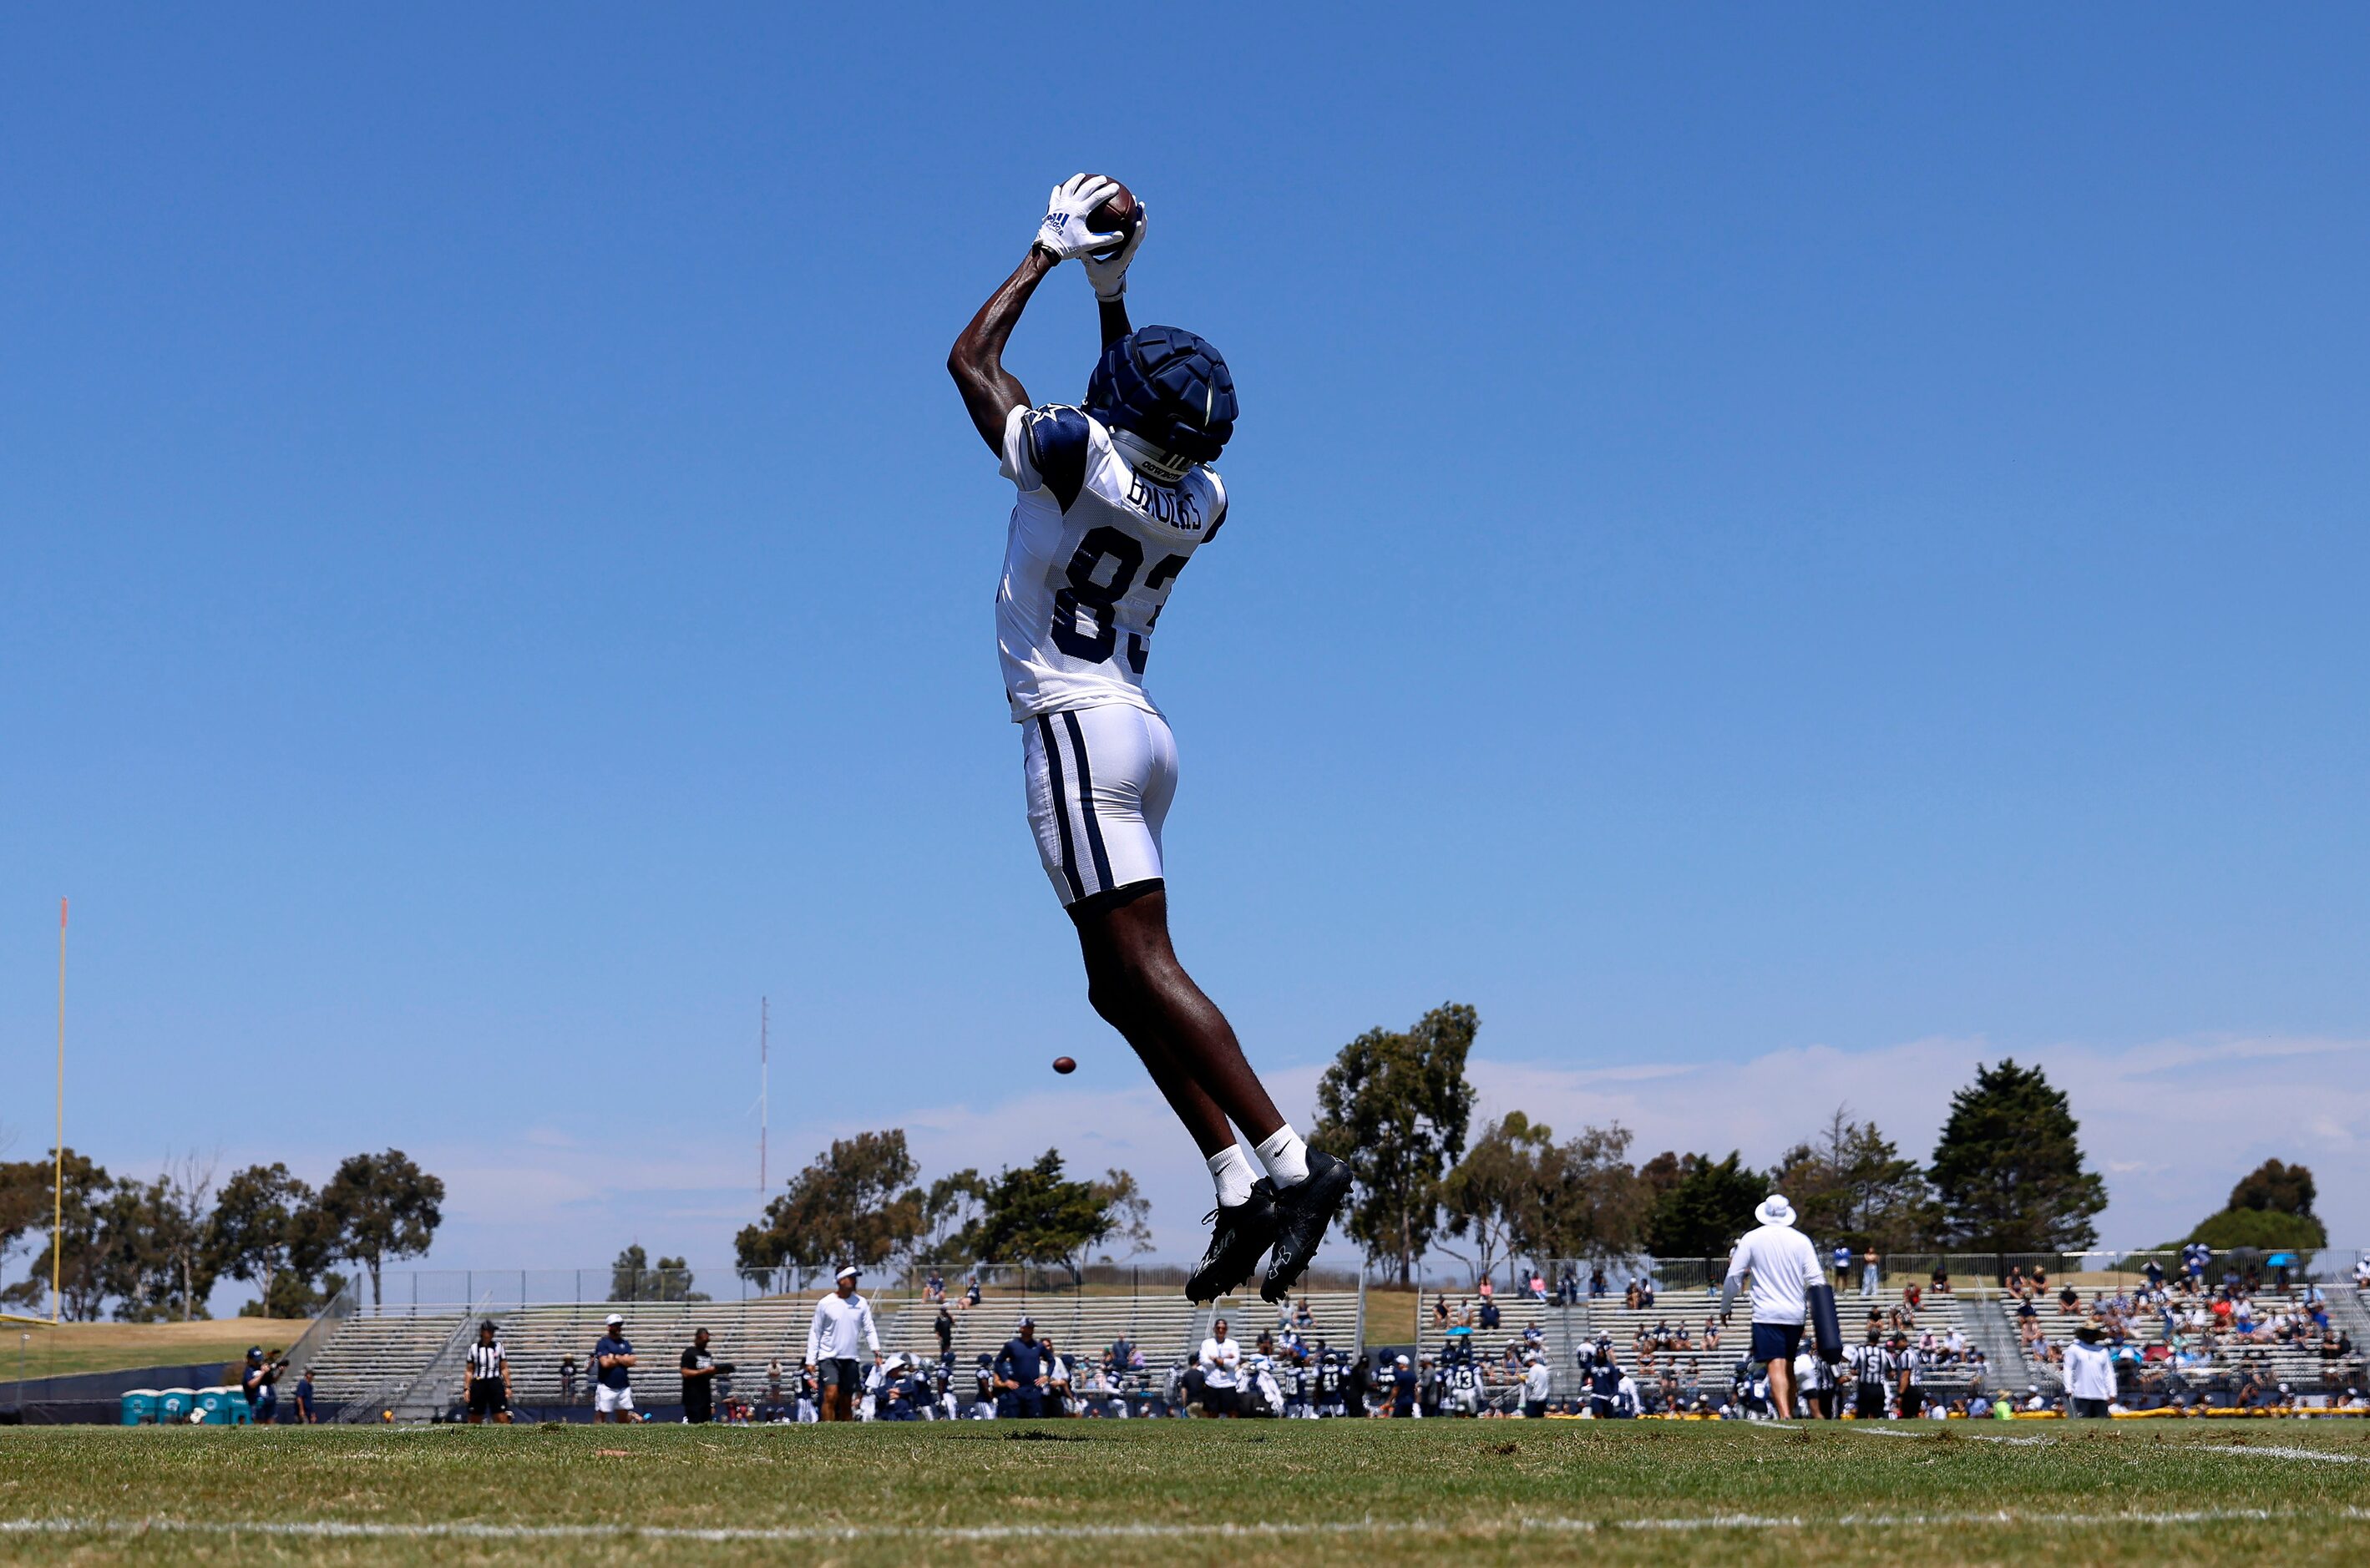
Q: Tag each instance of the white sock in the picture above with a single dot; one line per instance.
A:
(1285, 1156)
(1232, 1171)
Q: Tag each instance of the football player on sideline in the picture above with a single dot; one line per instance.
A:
(1115, 496)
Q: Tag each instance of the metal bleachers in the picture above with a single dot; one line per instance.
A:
(1565, 1330)
(410, 1363)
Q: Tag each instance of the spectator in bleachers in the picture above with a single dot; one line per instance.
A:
(568, 1379)
(943, 1325)
(1488, 1291)
(1488, 1313)
(1302, 1318)
(971, 1292)
(1868, 1276)
(1596, 1285)
(2361, 1272)
(1843, 1256)
(1940, 1281)
(1538, 1285)
(934, 1289)
(1440, 1311)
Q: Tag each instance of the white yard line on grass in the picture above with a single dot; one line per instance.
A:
(366, 1530)
(2285, 1454)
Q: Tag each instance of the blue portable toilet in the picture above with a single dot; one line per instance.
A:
(226, 1407)
(174, 1406)
(139, 1407)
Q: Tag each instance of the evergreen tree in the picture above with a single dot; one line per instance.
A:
(1707, 1209)
(2009, 1168)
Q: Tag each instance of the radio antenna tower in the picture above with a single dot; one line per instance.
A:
(765, 1024)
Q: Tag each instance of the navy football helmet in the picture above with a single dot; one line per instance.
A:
(1167, 387)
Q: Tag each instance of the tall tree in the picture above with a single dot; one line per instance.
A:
(1396, 1107)
(24, 1201)
(82, 1244)
(184, 1205)
(1707, 1209)
(854, 1203)
(1034, 1214)
(260, 1230)
(1598, 1206)
(2270, 1208)
(1850, 1184)
(2008, 1166)
(137, 1269)
(1502, 1185)
(2276, 1187)
(380, 1207)
(627, 1275)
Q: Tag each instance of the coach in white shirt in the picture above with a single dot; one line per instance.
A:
(1784, 1265)
(2090, 1374)
(1221, 1357)
(842, 1320)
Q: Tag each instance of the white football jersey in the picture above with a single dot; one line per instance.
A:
(1094, 550)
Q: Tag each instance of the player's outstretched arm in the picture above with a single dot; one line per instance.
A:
(989, 391)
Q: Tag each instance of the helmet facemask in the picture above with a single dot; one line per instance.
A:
(1162, 467)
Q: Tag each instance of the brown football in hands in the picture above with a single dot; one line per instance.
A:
(1116, 213)
(1065, 1064)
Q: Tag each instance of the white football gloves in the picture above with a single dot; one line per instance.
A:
(1066, 233)
(1108, 274)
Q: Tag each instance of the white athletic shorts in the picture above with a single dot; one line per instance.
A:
(1099, 782)
(609, 1401)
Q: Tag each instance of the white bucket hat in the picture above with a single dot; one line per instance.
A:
(1775, 1210)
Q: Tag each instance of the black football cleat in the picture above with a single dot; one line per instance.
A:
(1303, 1211)
(1241, 1236)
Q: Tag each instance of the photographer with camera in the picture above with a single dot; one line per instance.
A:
(701, 1371)
(257, 1381)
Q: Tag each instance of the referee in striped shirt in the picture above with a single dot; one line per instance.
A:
(489, 1379)
(1873, 1375)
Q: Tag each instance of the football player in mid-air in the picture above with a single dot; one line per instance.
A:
(1115, 495)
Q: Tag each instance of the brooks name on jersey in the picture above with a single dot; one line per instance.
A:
(1094, 550)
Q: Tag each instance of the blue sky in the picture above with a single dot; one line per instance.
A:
(1825, 547)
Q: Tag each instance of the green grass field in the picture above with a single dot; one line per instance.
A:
(1353, 1492)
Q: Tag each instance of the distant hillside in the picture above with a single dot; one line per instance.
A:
(102, 1347)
